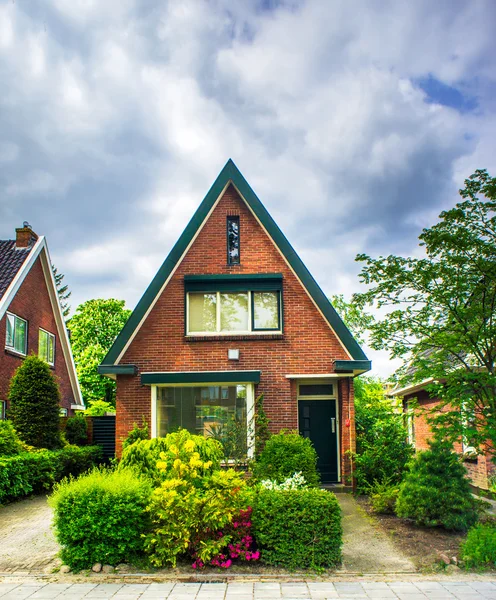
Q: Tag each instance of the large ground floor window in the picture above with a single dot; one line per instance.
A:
(203, 409)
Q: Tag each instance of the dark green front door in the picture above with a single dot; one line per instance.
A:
(318, 422)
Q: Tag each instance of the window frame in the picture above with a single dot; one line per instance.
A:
(251, 314)
(50, 335)
(230, 261)
(13, 349)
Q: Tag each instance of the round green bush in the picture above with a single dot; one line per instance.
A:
(10, 444)
(298, 528)
(435, 491)
(101, 517)
(76, 430)
(284, 455)
(479, 549)
(34, 404)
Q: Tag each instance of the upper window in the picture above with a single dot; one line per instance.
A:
(233, 240)
(233, 312)
(17, 334)
(46, 346)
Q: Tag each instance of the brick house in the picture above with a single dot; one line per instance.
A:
(233, 313)
(31, 318)
(417, 405)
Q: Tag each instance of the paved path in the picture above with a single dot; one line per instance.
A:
(367, 549)
(419, 590)
(26, 539)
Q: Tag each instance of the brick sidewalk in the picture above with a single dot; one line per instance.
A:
(464, 590)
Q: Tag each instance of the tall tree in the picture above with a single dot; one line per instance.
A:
(94, 327)
(353, 315)
(441, 310)
(63, 291)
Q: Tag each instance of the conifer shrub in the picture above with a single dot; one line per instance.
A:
(479, 549)
(34, 404)
(101, 517)
(298, 528)
(284, 455)
(137, 433)
(76, 430)
(436, 492)
(144, 455)
(10, 444)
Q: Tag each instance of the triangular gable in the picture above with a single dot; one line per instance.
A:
(40, 250)
(231, 174)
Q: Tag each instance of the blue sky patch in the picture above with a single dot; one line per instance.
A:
(440, 93)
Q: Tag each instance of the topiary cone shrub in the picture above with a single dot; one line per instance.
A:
(35, 404)
(435, 491)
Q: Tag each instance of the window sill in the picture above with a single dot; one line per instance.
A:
(234, 337)
(15, 353)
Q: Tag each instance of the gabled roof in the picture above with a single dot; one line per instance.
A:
(231, 175)
(11, 259)
(14, 271)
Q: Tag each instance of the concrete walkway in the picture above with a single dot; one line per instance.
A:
(419, 590)
(366, 549)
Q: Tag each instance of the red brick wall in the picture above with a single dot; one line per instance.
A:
(478, 468)
(32, 303)
(308, 345)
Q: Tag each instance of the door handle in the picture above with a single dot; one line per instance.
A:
(333, 424)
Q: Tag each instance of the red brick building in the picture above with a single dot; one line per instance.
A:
(31, 319)
(233, 313)
(418, 405)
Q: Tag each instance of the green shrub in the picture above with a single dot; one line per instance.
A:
(382, 447)
(285, 454)
(34, 472)
(101, 517)
(144, 454)
(479, 549)
(99, 408)
(76, 430)
(137, 433)
(34, 404)
(435, 491)
(10, 444)
(298, 528)
(383, 497)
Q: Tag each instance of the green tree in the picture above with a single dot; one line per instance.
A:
(440, 310)
(353, 315)
(63, 292)
(35, 404)
(94, 327)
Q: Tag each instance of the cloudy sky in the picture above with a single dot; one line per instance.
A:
(355, 121)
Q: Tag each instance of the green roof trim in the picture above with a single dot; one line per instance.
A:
(117, 369)
(201, 377)
(231, 174)
(341, 366)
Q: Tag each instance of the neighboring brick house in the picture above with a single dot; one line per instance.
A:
(418, 405)
(233, 313)
(31, 319)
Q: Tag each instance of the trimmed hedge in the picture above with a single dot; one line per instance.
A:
(298, 528)
(284, 455)
(76, 430)
(33, 472)
(101, 517)
(479, 549)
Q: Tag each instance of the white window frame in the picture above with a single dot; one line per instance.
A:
(12, 348)
(250, 407)
(249, 331)
(50, 335)
(410, 422)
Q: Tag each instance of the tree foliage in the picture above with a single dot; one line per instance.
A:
(34, 404)
(63, 291)
(353, 315)
(94, 327)
(441, 310)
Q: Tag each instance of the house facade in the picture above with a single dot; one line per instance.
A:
(418, 405)
(31, 319)
(231, 314)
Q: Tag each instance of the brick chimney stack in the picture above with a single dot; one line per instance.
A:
(25, 236)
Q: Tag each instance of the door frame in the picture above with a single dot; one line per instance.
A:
(334, 397)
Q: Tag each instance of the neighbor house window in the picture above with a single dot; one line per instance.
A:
(233, 312)
(46, 346)
(233, 255)
(17, 334)
(2, 409)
